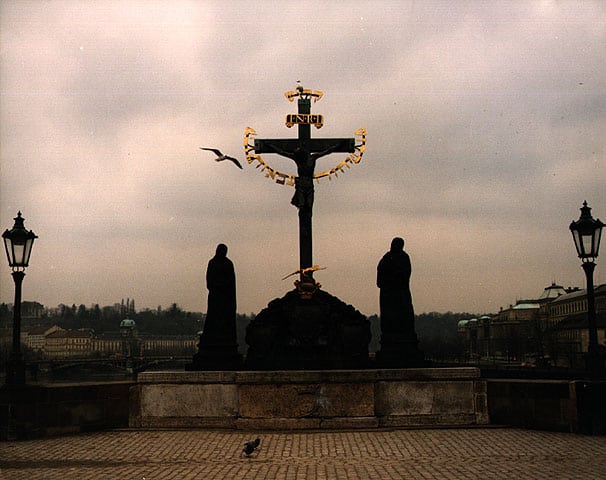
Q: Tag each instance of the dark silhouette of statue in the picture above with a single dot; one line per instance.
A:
(220, 321)
(398, 337)
(393, 280)
(218, 347)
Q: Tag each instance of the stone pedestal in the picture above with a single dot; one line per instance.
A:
(328, 399)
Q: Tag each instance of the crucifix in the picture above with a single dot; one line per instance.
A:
(304, 151)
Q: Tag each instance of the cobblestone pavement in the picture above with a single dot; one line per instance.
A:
(395, 454)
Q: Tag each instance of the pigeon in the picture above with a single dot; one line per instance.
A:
(249, 447)
(221, 157)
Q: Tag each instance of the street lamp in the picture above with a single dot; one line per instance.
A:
(128, 329)
(587, 232)
(18, 244)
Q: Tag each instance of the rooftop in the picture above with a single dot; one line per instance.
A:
(553, 291)
(598, 290)
(71, 334)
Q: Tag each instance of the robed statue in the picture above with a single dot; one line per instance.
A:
(218, 347)
(220, 321)
(395, 299)
(398, 336)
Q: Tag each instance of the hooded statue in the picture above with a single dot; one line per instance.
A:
(395, 300)
(220, 325)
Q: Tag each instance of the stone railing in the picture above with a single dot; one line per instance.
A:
(304, 400)
(32, 411)
(310, 399)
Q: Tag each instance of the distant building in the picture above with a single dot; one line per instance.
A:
(553, 327)
(54, 342)
(552, 292)
(513, 331)
(69, 343)
(35, 337)
(108, 344)
(566, 334)
(178, 345)
(123, 343)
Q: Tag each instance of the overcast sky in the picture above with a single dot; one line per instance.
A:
(486, 126)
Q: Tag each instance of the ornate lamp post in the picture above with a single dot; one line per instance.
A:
(128, 329)
(587, 232)
(18, 244)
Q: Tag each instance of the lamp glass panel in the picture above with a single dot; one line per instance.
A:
(597, 234)
(9, 252)
(18, 252)
(577, 242)
(587, 241)
(27, 251)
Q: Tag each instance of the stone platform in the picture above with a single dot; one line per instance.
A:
(317, 399)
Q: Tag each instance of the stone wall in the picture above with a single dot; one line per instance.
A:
(304, 400)
(44, 410)
(561, 405)
(310, 399)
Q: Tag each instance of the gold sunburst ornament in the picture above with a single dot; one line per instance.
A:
(317, 120)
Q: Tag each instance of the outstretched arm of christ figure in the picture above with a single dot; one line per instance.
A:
(296, 155)
(281, 152)
(328, 151)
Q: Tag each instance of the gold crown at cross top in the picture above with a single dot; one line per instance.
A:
(303, 93)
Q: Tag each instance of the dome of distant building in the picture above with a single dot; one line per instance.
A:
(462, 323)
(127, 323)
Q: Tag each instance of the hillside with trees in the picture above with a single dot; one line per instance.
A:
(437, 332)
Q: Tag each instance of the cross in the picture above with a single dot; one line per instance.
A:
(304, 151)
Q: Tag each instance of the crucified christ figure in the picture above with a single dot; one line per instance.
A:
(303, 198)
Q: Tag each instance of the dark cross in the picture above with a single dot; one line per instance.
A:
(304, 151)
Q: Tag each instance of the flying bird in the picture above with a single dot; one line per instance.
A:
(249, 447)
(221, 156)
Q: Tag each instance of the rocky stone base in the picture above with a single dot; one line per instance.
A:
(298, 333)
